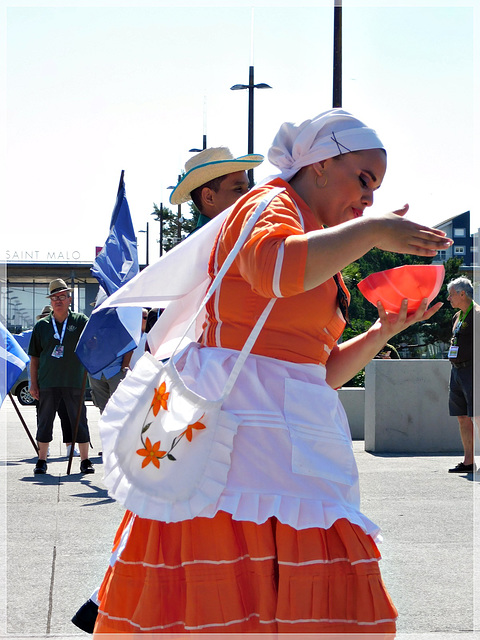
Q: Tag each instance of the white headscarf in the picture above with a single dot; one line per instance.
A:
(329, 134)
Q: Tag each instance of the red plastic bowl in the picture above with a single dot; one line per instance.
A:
(414, 282)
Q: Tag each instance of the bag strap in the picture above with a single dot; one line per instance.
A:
(248, 346)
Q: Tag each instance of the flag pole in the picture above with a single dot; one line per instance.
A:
(23, 422)
(120, 184)
(77, 421)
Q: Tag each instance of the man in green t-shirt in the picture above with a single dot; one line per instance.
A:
(57, 373)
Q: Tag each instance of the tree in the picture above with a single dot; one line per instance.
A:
(175, 227)
(363, 314)
(439, 328)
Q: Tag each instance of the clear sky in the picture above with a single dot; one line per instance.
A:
(92, 90)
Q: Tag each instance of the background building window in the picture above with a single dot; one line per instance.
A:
(459, 251)
(459, 233)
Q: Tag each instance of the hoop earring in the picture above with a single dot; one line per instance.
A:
(320, 186)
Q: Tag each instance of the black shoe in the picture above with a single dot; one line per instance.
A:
(464, 468)
(40, 467)
(86, 616)
(86, 466)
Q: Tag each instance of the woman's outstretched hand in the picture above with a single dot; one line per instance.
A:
(347, 358)
(400, 235)
(389, 324)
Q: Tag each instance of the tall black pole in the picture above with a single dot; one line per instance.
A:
(337, 54)
(77, 421)
(179, 219)
(251, 86)
(23, 423)
(161, 229)
(147, 245)
(251, 89)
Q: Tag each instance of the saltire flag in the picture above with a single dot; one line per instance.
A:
(13, 361)
(110, 333)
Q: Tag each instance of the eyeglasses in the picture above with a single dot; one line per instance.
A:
(59, 298)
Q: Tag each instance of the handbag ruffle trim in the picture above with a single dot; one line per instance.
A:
(146, 503)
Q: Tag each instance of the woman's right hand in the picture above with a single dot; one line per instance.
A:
(399, 235)
(330, 250)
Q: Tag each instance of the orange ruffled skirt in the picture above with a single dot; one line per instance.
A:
(218, 575)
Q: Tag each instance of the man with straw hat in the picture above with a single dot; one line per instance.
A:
(57, 374)
(214, 180)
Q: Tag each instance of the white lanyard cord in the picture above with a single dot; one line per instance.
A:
(55, 330)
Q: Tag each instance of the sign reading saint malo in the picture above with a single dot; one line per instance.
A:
(42, 256)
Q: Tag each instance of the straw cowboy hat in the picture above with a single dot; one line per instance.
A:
(207, 165)
(57, 286)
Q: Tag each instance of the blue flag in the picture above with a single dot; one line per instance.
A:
(110, 333)
(13, 361)
(117, 262)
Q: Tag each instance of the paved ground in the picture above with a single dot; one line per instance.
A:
(56, 532)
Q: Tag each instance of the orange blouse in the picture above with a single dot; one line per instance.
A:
(303, 326)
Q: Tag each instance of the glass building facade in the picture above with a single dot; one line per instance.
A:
(24, 289)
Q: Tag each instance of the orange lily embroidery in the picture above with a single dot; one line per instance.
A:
(160, 399)
(151, 453)
(196, 425)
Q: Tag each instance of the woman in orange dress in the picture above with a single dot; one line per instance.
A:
(285, 548)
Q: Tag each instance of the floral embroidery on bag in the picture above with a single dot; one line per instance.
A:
(160, 399)
(189, 430)
(152, 453)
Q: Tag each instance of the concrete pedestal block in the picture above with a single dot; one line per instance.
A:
(353, 401)
(406, 407)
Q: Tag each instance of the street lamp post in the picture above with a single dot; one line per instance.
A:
(204, 145)
(179, 216)
(250, 86)
(147, 242)
(337, 54)
(161, 229)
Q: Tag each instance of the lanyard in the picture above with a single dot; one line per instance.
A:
(55, 330)
(460, 322)
(466, 312)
